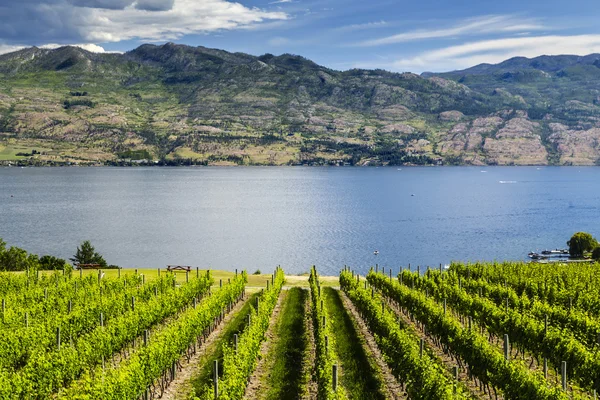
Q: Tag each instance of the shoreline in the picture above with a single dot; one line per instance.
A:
(201, 166)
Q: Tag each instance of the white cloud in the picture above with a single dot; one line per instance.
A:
(9, 48)
(497, 50)
(281, 1)
(102, 21)
(480, 25)
(93, 48)
(360, 27)
(186, 17)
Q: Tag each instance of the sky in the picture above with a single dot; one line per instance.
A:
(415, 36)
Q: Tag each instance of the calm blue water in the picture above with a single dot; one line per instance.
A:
(253, 218)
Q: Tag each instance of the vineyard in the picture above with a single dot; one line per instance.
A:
(471, 331)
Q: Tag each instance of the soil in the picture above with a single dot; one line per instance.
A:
(311, 355)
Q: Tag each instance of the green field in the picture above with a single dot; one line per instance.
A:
(9, 153)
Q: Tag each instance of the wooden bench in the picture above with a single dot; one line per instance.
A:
(175, 268)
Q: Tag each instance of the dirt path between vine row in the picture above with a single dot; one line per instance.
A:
(181, 387)
(449, 361)
(308, 369)
(393, 389)
(256, 380)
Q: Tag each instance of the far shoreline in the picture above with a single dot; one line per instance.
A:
(217, 166)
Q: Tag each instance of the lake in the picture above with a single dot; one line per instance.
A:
(257, 218)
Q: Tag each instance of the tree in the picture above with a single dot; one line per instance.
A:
(14, 259)
(596, 254)
(86, 254)
(580, 243)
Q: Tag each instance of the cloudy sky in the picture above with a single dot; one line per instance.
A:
(417, 36)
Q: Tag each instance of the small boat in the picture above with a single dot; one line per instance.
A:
(376, 252)
(557, 251)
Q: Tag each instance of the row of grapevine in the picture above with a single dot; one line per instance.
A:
(46, 302)
(485, 361)
(133, 376)
(584, 326)
(240, 359)
(67, 302)
(424, 378)
(555, 344)
(19, 344)
(47, 370)
(567, 285)
(324, 342)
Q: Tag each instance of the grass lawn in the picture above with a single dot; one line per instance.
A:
(284, 360)
(9, 153)
(359, 375)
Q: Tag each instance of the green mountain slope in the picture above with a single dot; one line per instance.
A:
(177, 104)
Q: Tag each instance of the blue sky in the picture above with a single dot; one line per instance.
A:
(416, 36)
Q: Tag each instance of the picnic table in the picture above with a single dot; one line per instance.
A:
(174, 268)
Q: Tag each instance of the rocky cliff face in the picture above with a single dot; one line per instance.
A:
(182, 104)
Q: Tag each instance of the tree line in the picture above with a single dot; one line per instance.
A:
(16, 259)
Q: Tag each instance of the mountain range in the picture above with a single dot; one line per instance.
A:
(175, 104)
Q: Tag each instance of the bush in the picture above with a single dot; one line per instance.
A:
(83, 102)
(257, 272)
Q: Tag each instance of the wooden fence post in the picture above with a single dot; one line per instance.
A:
(563, 370)
(335, 377)
(216, 377)
(455, 373)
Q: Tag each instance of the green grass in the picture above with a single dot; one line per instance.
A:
(359, 375)
(215, 350)
(9, 153)
(284, 360)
